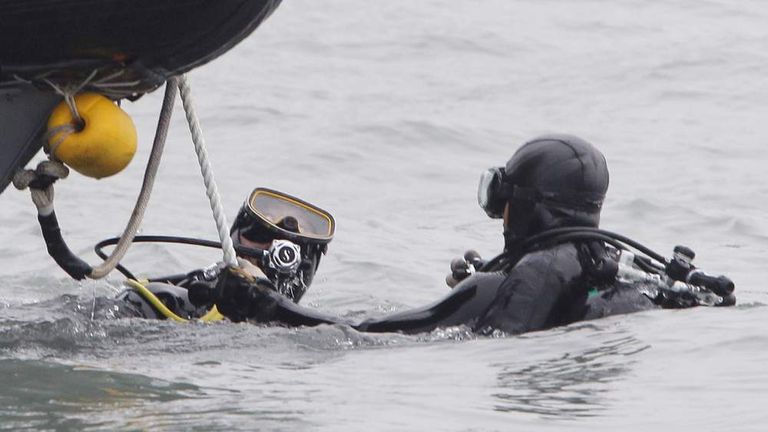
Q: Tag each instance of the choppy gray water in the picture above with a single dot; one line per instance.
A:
(385, 113)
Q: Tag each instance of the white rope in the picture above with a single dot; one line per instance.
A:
(115, 84)
(69, 92)
(205, 168)
(55, 137)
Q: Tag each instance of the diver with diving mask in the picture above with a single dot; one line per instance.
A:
(279, 239)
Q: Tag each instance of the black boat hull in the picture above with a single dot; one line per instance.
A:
(149, 40)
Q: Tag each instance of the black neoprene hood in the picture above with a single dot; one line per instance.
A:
(559, 163)
(568, 172)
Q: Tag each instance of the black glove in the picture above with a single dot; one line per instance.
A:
(463, 267)
(201, 293)
(240, 296)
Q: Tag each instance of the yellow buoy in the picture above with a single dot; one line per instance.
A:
(103, 146)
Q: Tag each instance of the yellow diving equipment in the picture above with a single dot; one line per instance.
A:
(212, 315)
(103, 145)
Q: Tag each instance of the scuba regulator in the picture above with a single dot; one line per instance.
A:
(282, 264)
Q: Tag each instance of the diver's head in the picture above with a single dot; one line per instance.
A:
(550, 182)
(268, 215)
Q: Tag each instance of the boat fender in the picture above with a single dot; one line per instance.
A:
(99, 146)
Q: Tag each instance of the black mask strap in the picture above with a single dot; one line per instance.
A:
(579, 200)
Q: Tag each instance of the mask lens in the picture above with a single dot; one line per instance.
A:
(291, 217)
(488, 192)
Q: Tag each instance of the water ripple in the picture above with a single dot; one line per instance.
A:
(572, 385)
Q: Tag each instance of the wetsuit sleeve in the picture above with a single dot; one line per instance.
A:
(245, 298)
(463, 306)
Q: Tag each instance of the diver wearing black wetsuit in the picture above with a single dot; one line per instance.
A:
(279, 239)
(552, 182)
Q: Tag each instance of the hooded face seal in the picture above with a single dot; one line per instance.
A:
(552, 181)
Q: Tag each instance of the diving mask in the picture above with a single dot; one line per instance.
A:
(489, 192)
(495, 190)
(269, 215)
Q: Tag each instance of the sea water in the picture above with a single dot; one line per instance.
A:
(386, 113)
